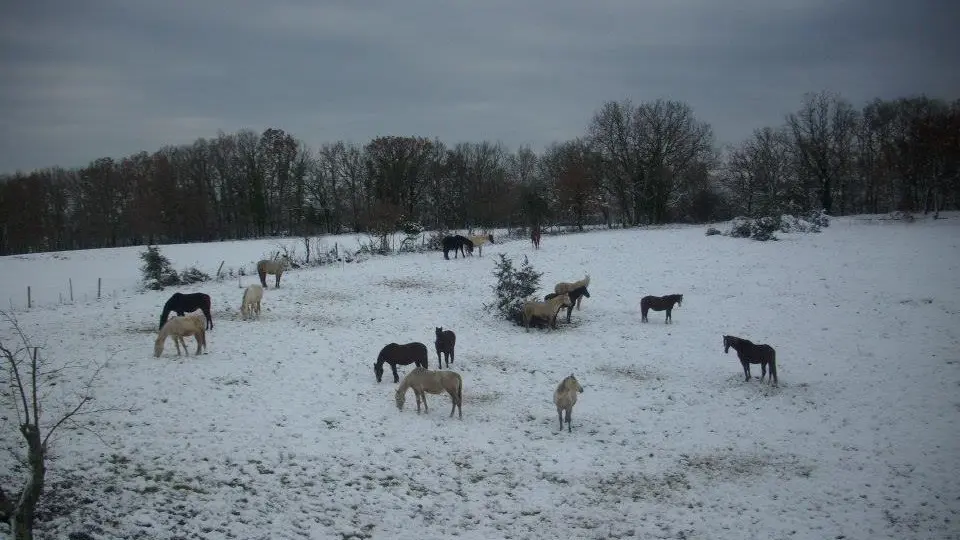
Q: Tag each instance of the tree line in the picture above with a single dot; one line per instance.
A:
(652, 162)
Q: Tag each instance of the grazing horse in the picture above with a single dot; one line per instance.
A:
(457, 243)
(565, 397)
(180, 327)
(276, 268)
(446, 340)
(251, 301)
(545, 310)
(406, 354)
(181, 303)
(575, 295)
(751, 353)
(659, 303)
(424, 381)
(535, 237)
(563, 287)
(479, 241)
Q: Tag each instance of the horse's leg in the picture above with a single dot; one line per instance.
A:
(746, 369)
(569, 311)
(669, 318)
(396, 377)
(763, 370)
(451, 354)
(569, 426)
(560, 414)
(425, 408)
(453, 401)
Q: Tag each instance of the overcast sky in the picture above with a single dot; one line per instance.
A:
(82, 79)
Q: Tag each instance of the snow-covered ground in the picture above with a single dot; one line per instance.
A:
(281, 431)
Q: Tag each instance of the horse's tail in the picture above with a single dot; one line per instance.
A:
(460, 391)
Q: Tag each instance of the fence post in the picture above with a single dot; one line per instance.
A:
(71, 290)
(29, 300)
(99, 281)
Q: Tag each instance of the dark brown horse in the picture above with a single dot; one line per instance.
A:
(575, 295)
(185, 303)
(446, 341)
(535, 237)
(457, 243)
(751, 353)
(406, 354)
(659, 303)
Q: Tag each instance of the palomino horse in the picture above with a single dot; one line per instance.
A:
(659, 303)
(457, 243)
(275, 267)
(751, 353)
(181, 303)
(565, 397)
(406, 354)
(424, 381)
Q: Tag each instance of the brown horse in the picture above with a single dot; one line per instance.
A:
(406, 354)
(659, 303)
(751, 353)
(535, 237)
(180, 303)
(446, 341)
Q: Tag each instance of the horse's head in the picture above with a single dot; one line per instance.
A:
(158, 346)
(378, 370)
(726, 344)
(438, 330)
(400, 398)
(571, 383)
(679, 299)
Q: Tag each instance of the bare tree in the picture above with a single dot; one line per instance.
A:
(759, 172)
(823, 137)
(26, 385)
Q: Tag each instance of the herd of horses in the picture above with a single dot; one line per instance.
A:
(421, 379)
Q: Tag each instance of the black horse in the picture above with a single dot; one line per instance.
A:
(456, 243)
(185, 303)
(445, 343)
(406, 354)
(659, 303)
(751, 353)
(575, 295)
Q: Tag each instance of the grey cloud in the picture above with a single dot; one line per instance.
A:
(112, 77)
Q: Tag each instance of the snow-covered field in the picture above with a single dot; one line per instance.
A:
(281, 431)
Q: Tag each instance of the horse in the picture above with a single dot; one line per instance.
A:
(179, 327)
(275, 267)
(575, 296)
(563, 287)
(535, 237)
(751, 353)
(660, 303)
(565, 397)
(181, 303)
(251, 301)
(446, 340)
(456, 243)
(479, 241)
(424, 381)
(545, 310)
(406, 354)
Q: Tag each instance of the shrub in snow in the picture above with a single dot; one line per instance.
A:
(790, 223)
(818, 218)
(513, 287)
(712, 231)
(411, 228)
(193, 275)
(762, 229)
(740, 227)
(157, 271)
